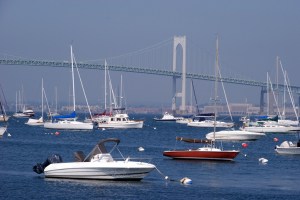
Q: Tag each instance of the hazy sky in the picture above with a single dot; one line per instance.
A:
(252, 34)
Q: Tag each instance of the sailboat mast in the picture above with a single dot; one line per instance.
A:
(42, 98)
(198, 111)
(16, 101)
(216, 85)
(121, 92)
(105, 87)
(55, 99)
(73, 89)
(268, 97)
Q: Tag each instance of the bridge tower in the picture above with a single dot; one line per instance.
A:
(179, 40)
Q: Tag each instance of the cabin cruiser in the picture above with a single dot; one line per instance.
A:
(98, 165)
(24, 113)
(119, 120)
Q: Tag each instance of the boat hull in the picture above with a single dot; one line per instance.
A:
(288, 150)
(201, 155)
(235, 135)
(210, 124)
(122, 125)
(272, 129)
(35, 122)
(117, 170)
(288, 147)
(68, 125)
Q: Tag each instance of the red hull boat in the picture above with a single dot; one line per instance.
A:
(209, 152)
(202, 154)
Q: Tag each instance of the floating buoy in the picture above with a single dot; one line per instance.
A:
(56, 133)
(103, 129)
(154, 128)
(263, 160)
(244, 145)
(141, 149)
(275, 139)
(8, 134)
(186, 181)
(245, 155)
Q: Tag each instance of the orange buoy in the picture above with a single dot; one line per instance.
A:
(275, 139)
(56, 133)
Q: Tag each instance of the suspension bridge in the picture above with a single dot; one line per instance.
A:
(156, 69)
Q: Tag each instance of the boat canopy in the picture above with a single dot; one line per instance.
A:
(205, 115)
(72, 115)
(100, 147)
(193, 140)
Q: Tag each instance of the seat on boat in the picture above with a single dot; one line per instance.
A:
(79, 156)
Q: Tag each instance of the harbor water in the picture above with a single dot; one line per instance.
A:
(244, 178)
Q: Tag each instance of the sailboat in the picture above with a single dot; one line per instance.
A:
(3, 116)
(69, 122)
(2, 128)
(119, 119)
(55, 113)
(210, 151)
(207, 120)
(40, 121)
(270, 125)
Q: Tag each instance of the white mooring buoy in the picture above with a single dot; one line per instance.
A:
(263, 160)
(186, 181)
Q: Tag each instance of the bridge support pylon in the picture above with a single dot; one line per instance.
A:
(179, 40)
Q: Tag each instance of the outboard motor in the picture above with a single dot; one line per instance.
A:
(39, 167)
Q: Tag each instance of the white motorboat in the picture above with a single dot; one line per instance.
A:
(99, 164)
(166, 117)
(288, 147)
(234, 135)
(119, 121)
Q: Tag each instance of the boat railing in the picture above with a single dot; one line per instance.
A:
(136, 159)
